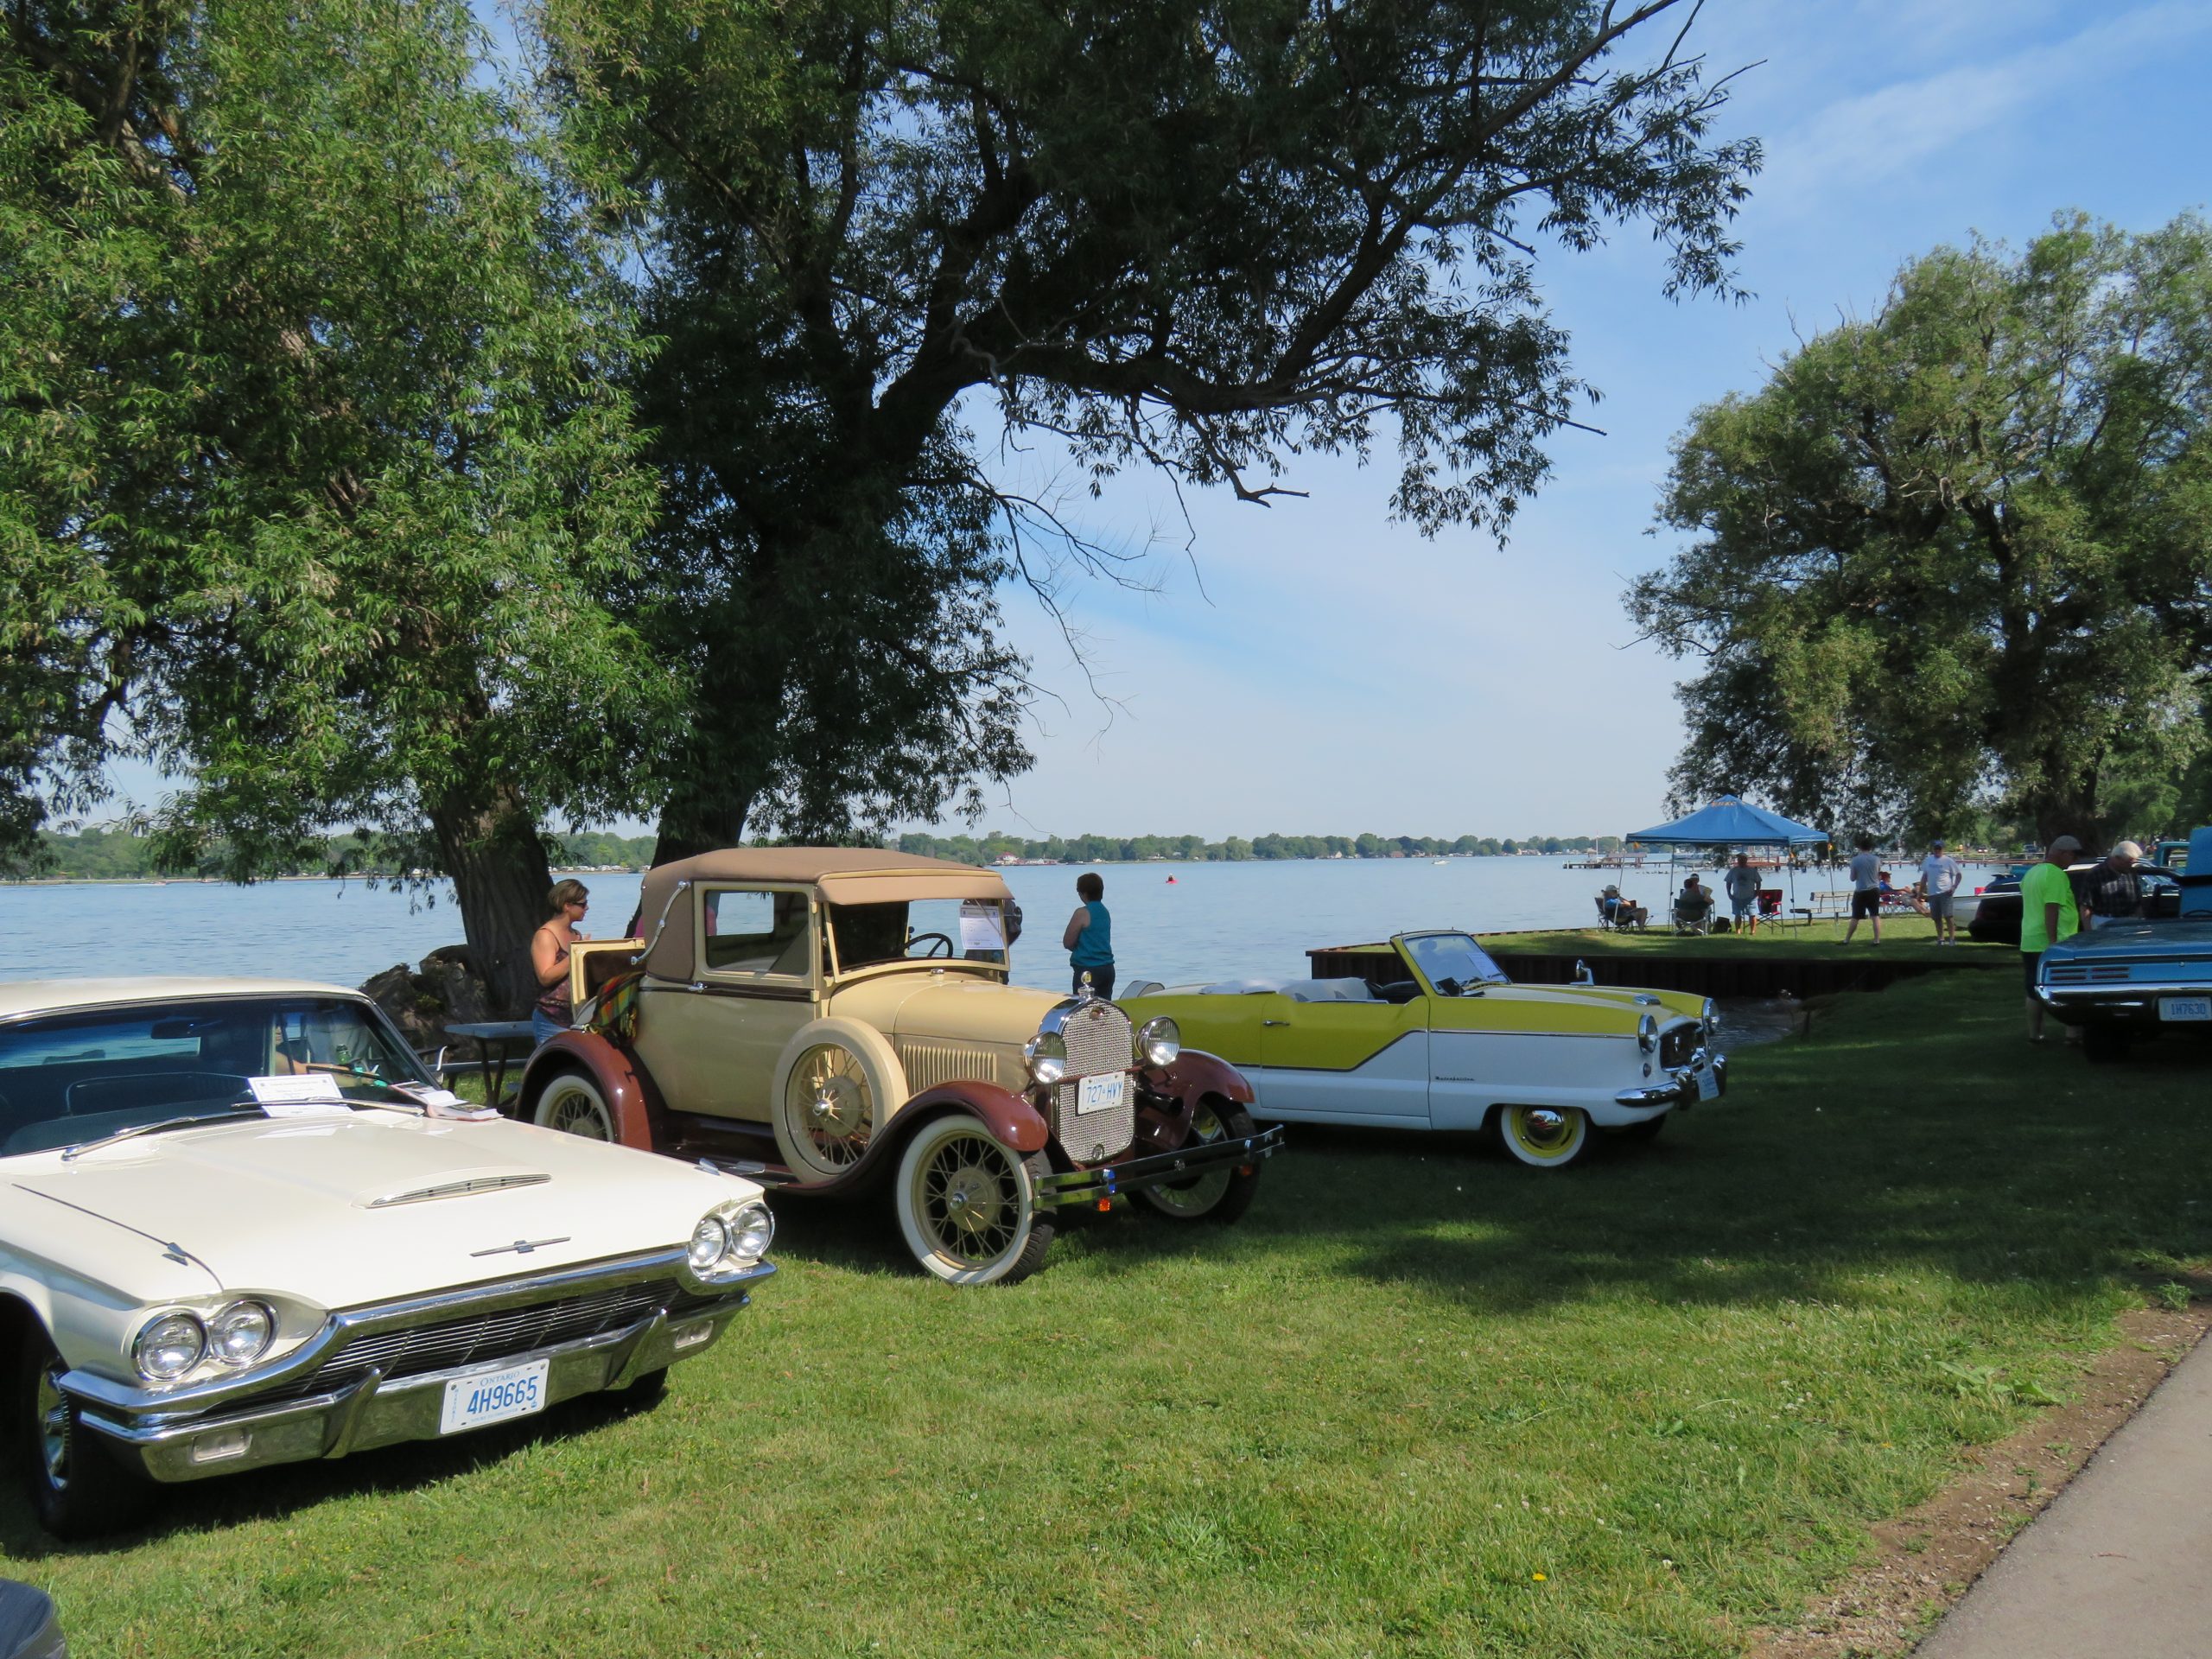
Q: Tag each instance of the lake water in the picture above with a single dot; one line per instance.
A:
(1209, 921)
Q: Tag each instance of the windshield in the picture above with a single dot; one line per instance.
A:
(74, 1077)
(942, 930)
(1452, 957)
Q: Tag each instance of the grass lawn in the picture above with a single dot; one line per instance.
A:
(1421, 1403)
(1913, 937)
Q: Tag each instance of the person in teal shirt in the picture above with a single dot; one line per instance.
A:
(1089, 937)
(2048, 914)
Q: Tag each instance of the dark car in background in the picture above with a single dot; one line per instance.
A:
(1996, 919)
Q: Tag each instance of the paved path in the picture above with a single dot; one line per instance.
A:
(2116, 1568)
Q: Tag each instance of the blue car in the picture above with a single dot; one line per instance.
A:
(2130, 981)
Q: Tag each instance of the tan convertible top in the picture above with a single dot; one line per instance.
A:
(846, 875)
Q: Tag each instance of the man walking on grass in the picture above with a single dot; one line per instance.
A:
(1939, 875)
(1866, 890)
(2048, 914)
(1743, 884)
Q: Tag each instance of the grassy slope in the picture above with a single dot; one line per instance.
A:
(1676, 1385)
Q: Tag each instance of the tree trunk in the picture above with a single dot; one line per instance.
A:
(488, 844)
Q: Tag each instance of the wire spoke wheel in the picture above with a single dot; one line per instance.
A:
(1221, 1192)
(830, 1108)
(967, 1204)
(573, 1104)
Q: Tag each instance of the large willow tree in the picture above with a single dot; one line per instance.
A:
(313, 474)
(1959, 554)
(1202, 236)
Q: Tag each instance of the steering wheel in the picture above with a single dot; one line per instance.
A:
(924, 939)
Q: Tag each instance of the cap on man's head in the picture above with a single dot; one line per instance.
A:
(1937, 843)
(2065, 843)
(2128, 849)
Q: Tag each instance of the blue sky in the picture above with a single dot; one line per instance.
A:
(1348, 676)
(1340, 673)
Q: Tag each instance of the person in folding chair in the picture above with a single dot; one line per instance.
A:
(1692, 907)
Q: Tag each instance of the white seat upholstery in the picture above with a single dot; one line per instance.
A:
(1328, 990)
(1243, 988)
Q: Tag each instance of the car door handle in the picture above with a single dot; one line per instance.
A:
(1274, 1022)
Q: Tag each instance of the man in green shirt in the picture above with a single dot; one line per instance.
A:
(2048, 914)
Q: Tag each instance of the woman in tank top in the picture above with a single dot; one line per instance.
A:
(549, 958)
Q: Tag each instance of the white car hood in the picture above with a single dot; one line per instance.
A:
(337, 1210)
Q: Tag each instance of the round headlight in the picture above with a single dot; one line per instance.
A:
(1160, 1040)
(752, 1230)
(708, 1240)
(170, 1347)
(1647, 1034)
(1047, 1054)
(241, 1334)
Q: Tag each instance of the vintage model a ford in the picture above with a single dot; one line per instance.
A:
(829, 1018)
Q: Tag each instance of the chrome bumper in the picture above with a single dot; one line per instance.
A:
(1156, 1169)
(2118, 1002)
(176, 1437)
(1680, 1091)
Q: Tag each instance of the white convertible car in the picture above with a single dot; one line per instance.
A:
(240, 1225)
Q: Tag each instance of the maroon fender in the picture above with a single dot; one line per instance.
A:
(1006, 1115)
(1194, 1073)
(629, 1095)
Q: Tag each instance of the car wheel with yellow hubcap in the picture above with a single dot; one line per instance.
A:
(967, 1204)
(1544, 1137)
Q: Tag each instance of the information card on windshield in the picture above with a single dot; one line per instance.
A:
(309, 1094)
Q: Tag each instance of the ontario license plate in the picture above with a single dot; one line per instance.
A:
(2185, 1008)
(1100, 1093)
(1708, 1086)
(494, 1396)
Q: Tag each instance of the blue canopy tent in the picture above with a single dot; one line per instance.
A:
(1732, 823)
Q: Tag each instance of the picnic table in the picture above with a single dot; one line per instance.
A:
(497, 1042)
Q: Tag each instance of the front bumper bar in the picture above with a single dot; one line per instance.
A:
(1681, 1089)
(169, 1440)
(1157, 1169)
(2119, 1002)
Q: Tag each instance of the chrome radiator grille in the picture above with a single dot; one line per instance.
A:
(1676, 1046)
(1097, 1035)
(931, 1064)
(484, 1337)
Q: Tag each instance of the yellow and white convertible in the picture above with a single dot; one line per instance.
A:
(1432, 1034)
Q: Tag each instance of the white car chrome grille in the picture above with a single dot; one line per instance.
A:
(1097, 1036)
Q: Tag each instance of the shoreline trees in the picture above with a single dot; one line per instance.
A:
(1959, 556)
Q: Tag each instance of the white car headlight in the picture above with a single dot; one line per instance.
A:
(1647, 1034)
(1160, 1040)
(709, 1240)
(1047, 1054)
(751, 1230)
(241, 1334)
(170, 1347)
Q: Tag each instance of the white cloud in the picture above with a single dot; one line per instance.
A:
(1877, 136)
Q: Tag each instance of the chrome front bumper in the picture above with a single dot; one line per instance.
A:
(1110, 1182)
(1680, 1091)
(2119, 1002)
(218, 1429)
